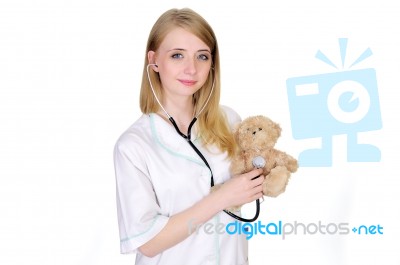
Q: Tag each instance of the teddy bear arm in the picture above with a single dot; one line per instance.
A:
(283, 159)
(292, 164)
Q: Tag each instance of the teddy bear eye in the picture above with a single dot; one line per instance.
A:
(260, 129)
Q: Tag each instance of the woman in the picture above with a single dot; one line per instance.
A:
(163, 183)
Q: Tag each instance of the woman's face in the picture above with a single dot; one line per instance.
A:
(184, 62)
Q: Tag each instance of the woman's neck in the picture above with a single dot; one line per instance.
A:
(181, 110)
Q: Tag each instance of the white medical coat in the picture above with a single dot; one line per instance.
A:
(158, 175)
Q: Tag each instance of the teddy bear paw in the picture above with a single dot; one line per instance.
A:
(276, 181)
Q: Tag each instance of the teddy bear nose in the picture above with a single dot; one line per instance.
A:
(254, 133)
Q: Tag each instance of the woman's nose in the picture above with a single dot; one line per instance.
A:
(190, 66)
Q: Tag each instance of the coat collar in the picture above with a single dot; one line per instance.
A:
(165, 135)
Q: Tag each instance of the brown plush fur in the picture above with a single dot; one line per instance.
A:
(257, 136)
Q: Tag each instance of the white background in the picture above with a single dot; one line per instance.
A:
(69, 83)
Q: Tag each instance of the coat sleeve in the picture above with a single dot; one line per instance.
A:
(139, 215)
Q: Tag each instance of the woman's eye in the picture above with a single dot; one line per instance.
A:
(177, 56)
(203, 57)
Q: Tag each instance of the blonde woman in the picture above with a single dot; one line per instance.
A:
(166, 162)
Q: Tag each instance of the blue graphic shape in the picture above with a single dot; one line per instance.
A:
(325, 105)
(343, 49)
(347, 102)
(321, 56)
(367, 53)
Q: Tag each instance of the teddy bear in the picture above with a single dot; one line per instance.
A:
(256, 137)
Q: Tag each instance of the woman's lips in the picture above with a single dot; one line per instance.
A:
(187, 82)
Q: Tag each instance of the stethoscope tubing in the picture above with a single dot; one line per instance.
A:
(187, 138)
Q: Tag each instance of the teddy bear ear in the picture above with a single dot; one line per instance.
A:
(278, 129)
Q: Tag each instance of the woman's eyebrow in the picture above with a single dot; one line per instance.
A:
(176, 49)
(181, 49)
(204, 50)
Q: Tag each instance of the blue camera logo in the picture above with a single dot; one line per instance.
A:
(325, 105)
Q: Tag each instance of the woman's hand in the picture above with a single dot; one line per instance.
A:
(241, 189)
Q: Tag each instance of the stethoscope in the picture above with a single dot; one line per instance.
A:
(187, 137)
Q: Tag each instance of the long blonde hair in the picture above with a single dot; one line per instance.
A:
(212, 123)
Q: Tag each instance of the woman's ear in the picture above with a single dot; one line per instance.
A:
(151, 57)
